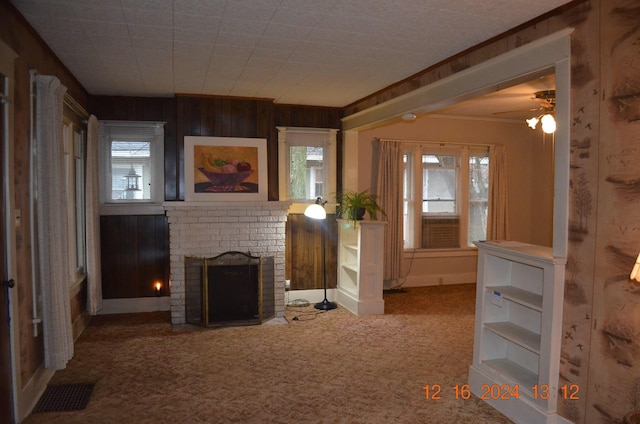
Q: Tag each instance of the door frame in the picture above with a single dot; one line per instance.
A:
(546, 55)
(7, 59)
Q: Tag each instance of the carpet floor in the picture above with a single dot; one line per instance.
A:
(323, 367)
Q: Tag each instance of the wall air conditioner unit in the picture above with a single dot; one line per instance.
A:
(440, 232)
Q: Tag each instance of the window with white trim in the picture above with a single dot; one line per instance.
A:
(131, 162)
(307, 163)
(75, 161)
(445, 196)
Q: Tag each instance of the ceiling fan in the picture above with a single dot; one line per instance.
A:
(548, 108)
(544, 113)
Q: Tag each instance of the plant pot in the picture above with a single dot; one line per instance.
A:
(356, 214)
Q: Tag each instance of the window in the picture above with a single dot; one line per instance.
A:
(478, 196)
(74, 153)
(439, 184)
(307, 158)
(132, 162)
(445, 196)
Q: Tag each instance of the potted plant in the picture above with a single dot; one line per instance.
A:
(353, 205)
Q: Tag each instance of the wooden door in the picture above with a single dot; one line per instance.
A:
(6, 392)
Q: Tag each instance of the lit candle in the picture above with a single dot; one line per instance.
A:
(158, 286)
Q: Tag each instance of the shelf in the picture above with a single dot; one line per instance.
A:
(360, 266)
(515, 334)
(353, 248)
(525, 378)
(520, 296)
(525, 251)
(518, 326)
(352, 268)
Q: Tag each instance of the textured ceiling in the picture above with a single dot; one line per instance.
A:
(515, 103)
(312, 52)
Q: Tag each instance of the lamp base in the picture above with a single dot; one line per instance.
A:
(325, 305)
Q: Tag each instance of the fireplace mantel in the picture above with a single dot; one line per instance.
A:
(185, 205)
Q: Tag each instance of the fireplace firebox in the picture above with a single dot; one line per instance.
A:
(233, 288)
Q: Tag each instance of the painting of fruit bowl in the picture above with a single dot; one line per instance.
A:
(224, 182)
(225, 168)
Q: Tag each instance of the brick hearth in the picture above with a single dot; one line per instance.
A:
(207, 229)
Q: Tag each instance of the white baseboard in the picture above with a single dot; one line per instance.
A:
(360, 307)
(312, 296)
(136, 304)
(335, 295)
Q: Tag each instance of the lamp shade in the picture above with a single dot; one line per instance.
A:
(548, 123)
(315, 211)
(532, 123)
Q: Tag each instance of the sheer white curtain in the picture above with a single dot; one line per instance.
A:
(497, 221)
(94, 273)
(51, 217)
(389, 192)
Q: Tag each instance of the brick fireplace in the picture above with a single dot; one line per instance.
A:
(207, 229)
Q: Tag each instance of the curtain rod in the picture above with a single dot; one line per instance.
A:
(69, 101)
(437, 142)
(76, 107)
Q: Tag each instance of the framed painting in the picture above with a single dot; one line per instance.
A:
(225, 169)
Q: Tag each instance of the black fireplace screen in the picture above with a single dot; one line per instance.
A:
(233, 288)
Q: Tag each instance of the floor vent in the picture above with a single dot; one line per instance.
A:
(64, 397)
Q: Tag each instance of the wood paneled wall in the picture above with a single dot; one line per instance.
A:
(227, 117)
(304, 252)
(312, 117)
(124, 257)
(33, 54)
(216, 117)
(304, 237)
(146, 109)
(135, 254)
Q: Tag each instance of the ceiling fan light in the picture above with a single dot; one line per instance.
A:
(548, 123)
(532, 122)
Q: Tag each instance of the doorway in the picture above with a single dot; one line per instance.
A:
(548, 55)
(6, 388)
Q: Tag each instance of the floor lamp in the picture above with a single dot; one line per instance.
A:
(316, 211)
